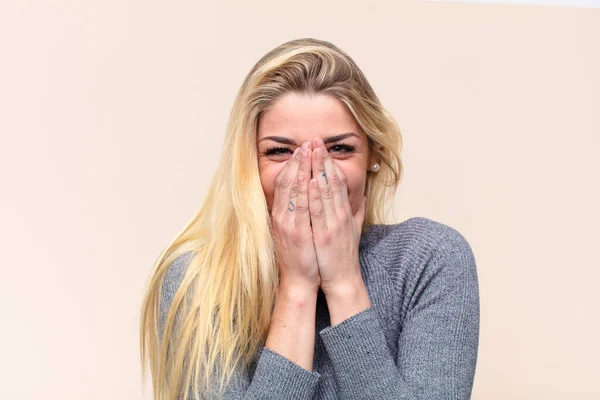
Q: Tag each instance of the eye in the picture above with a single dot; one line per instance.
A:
(342, 148)
(277, 151)
(336, 148)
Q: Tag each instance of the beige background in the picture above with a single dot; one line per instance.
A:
(112, 115)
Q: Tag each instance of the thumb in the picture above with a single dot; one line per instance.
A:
(359, 217)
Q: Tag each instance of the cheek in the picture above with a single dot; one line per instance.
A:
(355, 195)
(357, 178)
(268, 173)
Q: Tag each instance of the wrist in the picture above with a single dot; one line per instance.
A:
(346, 300)
(296, 290)
(346, 288)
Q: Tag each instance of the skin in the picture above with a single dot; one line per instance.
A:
(302, 118)
(318, 220)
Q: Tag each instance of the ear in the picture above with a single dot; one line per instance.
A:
(374, 158)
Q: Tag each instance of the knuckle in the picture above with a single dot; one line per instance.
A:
(301, 209)
(344, 218)
(275, 218)
(285, 182)
(294, 190)
(314, 194)
(297, 238)
(276, 227)
(335, 180)
(343, 180)
(278, 182)
(282, 182)
(319, 213)
(327, 192)
(284, 227)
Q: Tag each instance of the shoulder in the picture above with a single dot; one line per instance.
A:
(427, 262)
(416, 232)
(173, 278)
(170, 284)
(176, 271)
(417, 242)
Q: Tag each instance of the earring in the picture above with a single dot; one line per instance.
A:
(375, 167)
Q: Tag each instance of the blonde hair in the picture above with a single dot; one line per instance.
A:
(219, 317)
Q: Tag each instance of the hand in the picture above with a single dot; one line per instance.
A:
(291, 223)
(336, 231)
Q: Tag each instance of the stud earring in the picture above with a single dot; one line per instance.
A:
(375, 167)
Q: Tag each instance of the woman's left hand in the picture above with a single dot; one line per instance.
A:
(336, 230)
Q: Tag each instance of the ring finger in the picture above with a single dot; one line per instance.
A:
(320, 173)
(343, 189)
(284, 182)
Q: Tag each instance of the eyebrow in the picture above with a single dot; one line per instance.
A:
(291, 142)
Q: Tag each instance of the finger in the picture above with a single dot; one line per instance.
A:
(302, 217)
(292, 203)
(276, 195)
(324, 184)
(359, 217)
(343, 188)
(317, 213)
(335, 183)
(284, 182)
(279, 176)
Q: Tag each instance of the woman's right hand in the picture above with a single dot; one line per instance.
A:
(290, 216)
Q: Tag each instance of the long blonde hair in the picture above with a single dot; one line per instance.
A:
(219, 317)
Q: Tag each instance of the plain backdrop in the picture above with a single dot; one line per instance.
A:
(113, 113)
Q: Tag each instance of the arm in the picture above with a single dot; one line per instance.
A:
(283, 368)
(437, 348)
(291, 341)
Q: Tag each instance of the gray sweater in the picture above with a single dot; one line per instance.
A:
(418, 340)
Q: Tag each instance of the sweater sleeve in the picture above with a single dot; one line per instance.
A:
(438, 342)
(275, 376)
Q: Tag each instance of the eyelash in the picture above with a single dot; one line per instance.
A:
(345, 148)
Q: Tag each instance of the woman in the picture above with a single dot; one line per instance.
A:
(287, 283)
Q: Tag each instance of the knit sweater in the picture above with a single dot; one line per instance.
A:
(418, 339)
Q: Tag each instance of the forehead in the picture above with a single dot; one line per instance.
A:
(303, 117)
